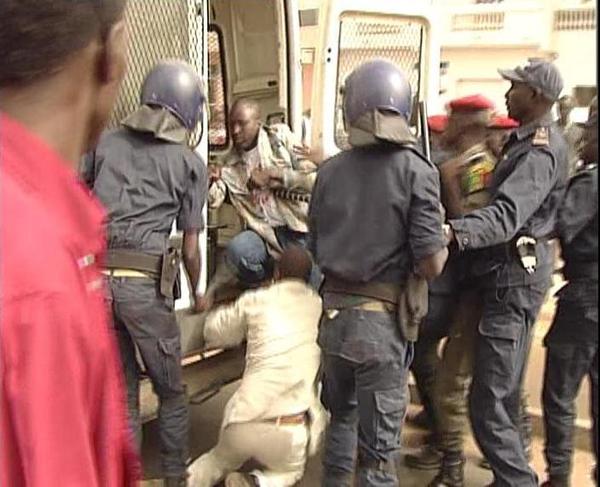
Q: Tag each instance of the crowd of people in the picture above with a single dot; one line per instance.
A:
(350, 272)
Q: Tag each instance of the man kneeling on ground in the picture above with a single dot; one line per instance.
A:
(274, 417)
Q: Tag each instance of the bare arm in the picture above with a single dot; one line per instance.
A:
(432, 266)
(192, 261)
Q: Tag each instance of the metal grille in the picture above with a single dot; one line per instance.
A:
(158, 29)
(367, 37)
(217, 128)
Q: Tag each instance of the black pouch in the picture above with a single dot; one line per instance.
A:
(413, 305)
(169, 272)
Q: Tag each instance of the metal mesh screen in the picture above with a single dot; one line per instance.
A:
(367, 37)
(158, 29)
(217, 128)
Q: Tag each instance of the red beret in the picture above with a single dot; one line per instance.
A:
(437, 123)
(503, 122)
(473, 103)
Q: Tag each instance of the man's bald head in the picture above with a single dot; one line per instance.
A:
(295, 263)
(244, 123)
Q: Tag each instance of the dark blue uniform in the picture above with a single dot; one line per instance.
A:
(528, 186)
(572, 342)
(147, 184)
(374, 211)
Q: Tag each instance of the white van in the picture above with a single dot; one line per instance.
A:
(251, 48)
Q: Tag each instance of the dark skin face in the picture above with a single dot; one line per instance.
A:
(244, 124)
(69, 109)
(518, 100)
(565, 107)
(589, 151)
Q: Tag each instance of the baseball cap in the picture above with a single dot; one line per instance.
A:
(541, 75)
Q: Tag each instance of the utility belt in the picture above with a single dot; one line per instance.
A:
(581, 270)
(292, 419)
(163, 268)
(409, 302)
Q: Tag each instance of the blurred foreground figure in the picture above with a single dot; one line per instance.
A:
(62, 404)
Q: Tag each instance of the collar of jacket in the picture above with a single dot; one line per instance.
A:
(376, 126)
(159, 122)
(529, 129)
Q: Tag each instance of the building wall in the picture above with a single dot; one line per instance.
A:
(474, 56)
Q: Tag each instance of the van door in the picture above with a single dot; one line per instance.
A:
(164, 29)
(354, 31)
(253, 53)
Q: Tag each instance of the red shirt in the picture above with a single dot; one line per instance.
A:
(62, 402)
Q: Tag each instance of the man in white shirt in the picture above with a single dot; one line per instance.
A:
(275, 416)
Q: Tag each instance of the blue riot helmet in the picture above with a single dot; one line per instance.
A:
(376, 85)
(176, 86)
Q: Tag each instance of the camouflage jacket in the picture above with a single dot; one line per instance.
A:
(275, 147)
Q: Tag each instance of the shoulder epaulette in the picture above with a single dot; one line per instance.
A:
(541, 137)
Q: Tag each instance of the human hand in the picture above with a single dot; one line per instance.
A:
(306, 152)
(449, 235)
(214, 173)
(203, 303)
(452, 168)
(260, 178)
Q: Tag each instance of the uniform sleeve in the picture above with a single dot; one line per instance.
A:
(190, 216)
(579, 207)
(514, 202)
(425, 234)
(46, 382)
(226, 327)
(313, 211)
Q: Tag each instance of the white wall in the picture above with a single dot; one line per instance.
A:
(475, 71)
(577, 57)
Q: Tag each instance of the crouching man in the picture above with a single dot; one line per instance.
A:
(274, 418)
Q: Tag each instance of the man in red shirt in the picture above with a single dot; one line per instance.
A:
(62, 405)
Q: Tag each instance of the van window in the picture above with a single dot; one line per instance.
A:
(364, 37)
(218, 132)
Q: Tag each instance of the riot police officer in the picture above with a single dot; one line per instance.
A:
(375, 216)
(572, 342)
(148, 178)
(515, 261)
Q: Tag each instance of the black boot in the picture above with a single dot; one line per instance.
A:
(452, 473)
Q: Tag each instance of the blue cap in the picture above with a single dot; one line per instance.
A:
(540, 75)
(248, 257)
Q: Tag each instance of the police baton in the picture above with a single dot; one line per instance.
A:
(424, 129)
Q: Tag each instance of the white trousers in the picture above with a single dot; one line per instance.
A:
(281, 450)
